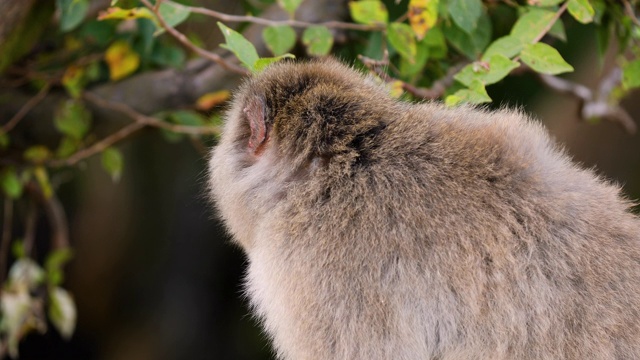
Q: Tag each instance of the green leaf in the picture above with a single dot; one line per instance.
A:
(168, 55)
(37, 154)
(4, 140)
(67, 146)
(471, 45)
(581, 10)
(318, 40)
(62, 311)
(423, 51)
(112, 163)
(402, 38)
(436, 42)
(631, 75)
(54, 263)
(173, 14)
(262, 63)
(72, 119)
(72, 12)
(368, 12)
(42, 177)
(544, 59)
(279, 39)
(241, 47)
(495, 69)
(557, 31)
(289, 6)
(97, 32)
(475, 94)
(17, 249)
(531, 24)
(10, 182)
(465, 13)
(508, 46)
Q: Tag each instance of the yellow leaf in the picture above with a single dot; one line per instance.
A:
(395, 88)
(121, 59)
(423, 15)
(209, 100)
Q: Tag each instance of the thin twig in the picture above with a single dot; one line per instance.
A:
(98, 146)
(546, 29)
(30, 227)
(24, 110)
(148, 120)
(590, 105)
(58, 222)
(291, 22)
(186, 42)
(7, 223)
(629, 10)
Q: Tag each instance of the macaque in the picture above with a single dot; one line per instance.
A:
(380, 229)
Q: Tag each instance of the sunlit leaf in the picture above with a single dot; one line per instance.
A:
(10, 182)
(72, 119)
(465, 13)
(27, 272)
(279, 39)
(239, 46)
(490, 72)
(631, 75)
(402, 38)
(262, 63)
(368, 12)
(544, 59)
(530, 25)
(112, 162)
(423, 15)
(209, 100)
(475, 94)
(290, 6)
(509, 46)
(125, 14)
(396, 88)
(19, 318)
(121, 59)
(62, 311)
(318, 40)
(581, 10)
(72, 12)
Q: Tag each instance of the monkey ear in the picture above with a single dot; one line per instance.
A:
(255, 114)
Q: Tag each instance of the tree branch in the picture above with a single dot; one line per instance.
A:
(7, 222)
(186, 42)
(24, 110)
(592, 106)
(291, 22)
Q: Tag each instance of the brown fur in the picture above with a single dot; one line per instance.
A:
(377, 229)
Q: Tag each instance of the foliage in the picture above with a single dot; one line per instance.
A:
(446, 49)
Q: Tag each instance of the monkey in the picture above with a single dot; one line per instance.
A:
(382, 229)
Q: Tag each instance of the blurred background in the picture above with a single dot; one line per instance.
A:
(154, 275)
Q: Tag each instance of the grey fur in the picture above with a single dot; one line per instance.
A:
(377, 229)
